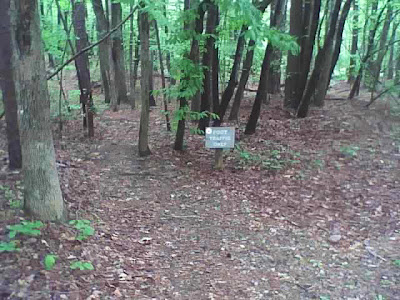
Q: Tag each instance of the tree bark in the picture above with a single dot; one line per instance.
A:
(233, 79)
(274, 70)
(354, 42)
(82, 63)
(248, 62)
(131, 64)
(163, 83)
(322, 55)
(104, 48)
(262, 91)
(7, 85)
(206, 95)
(195, 53)
(137, 57)
(42, 194)
(183, 101)
(118, 54)
(331, 58)
(293, 69)
(144, 28)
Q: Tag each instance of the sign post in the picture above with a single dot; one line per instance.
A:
(220, 138)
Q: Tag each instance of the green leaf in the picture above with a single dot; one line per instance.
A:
(49, 261)
(8, 247)
(82, 265)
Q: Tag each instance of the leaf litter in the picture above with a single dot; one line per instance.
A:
(170, 227)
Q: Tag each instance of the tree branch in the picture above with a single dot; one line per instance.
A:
(93, 45)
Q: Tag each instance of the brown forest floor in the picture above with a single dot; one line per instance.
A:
(323, 225)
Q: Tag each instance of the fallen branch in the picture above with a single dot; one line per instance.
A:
(93, 45)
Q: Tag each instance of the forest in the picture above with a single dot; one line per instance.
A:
(200, 149)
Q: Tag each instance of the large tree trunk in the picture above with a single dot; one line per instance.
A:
(104, 48)
(262, 91)
(354, 43)
(332, 57)
(183, 101)
(322, 56)
(382, 50)
(42, 194)
(82, 63)
(8, 87)
(233, 79)
(131, 64)
(244, 77)
(137, 59)
(163, 83)
(293, 69)
(310, 27)
(144, 28)
(195, 52)
(391, 63)
(118, 54)
(206, 95)
(274, 69)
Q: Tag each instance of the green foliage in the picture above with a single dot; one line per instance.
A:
(50, 261)
(8, 247)
(349, 150)
(84, 228)
(25, 228)
(274, 159)
(397, 262)
(82, 265)
(187, 114)
(10, 197)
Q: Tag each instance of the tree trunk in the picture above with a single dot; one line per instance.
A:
(322, 56)
(163, 83)
(233, 79)
(183, 101)
(7, 85)
(274, 69)
(82, 63)
(118, 54)
(391, 63)
(152, 100)
(332, 57)
(262, 91)
(383, 49)
(195, 53)
(215, 63)
(131, 68)
(293, 69)
(310, 27)
(206, 95)
(144, 28)
(104, 48)
(354, 43)
(248, 62)
(137, 56)
(42, 194)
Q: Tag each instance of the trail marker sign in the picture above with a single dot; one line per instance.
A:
(220, 137)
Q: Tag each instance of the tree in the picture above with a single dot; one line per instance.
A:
(102, 26)
(324, 55)
(82, 64)
(354, 42)
(293, 70)
(207, 63)
(144, 28)
(42, 193)
(262, 91)
(8, 87)
(118, 54)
